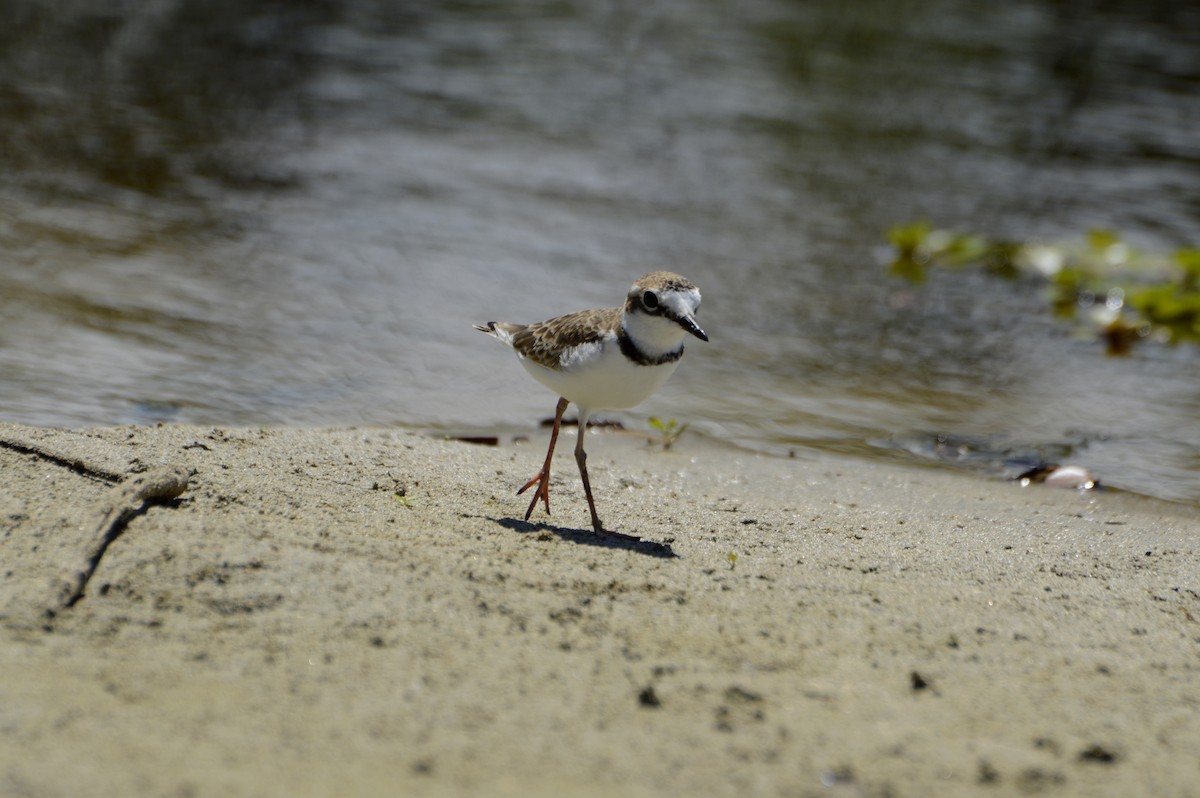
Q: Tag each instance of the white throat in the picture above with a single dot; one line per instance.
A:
(655, 335)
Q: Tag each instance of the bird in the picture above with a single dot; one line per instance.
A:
(605, 359)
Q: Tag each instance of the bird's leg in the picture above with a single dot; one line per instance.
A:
(543, 477)
(581, 459)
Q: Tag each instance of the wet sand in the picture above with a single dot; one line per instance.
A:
(361, 612)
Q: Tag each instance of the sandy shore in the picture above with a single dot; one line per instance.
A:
(362, 612)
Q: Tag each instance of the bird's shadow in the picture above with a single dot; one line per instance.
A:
(587, 537)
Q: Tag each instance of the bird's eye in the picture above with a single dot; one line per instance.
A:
(650, 300)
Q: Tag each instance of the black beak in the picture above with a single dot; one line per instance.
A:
(689, 324)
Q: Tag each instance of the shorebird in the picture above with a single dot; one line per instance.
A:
(609, 359)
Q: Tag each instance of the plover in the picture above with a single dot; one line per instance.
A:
(608, 359)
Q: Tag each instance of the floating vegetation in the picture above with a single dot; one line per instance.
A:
(1124, 295)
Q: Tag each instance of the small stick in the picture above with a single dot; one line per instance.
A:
(122, 503)
(76, 464)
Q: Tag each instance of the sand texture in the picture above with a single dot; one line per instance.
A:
(362, 612)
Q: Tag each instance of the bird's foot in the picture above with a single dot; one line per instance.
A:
(542, 480)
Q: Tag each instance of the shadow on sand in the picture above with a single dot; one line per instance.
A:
(587, 537)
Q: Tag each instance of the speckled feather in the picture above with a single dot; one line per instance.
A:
(544, 342)
(666, 281)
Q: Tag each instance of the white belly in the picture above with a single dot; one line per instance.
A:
(601, 378)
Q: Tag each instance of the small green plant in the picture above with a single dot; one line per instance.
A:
(732, 560)
(668, 431)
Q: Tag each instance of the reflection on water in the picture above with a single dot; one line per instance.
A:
(269, 212)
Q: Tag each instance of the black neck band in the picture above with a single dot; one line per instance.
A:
(630, 350)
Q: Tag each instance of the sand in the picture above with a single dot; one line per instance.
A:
(362, 612)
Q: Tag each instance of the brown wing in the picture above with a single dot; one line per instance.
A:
(544, 341)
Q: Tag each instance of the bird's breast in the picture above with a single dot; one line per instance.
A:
(598, 376)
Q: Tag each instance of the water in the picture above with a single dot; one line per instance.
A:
(266, 212)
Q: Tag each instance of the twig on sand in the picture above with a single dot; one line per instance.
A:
(122, 503)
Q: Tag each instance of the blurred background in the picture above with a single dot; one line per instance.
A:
(269, 212)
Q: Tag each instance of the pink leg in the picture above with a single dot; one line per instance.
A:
(542, 479)
(581, 460)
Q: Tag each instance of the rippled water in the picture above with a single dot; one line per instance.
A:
(268, 212)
